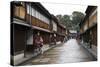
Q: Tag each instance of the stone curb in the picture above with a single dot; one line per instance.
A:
(89, 50)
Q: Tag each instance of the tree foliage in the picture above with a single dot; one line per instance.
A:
(71, 21)
(77, 17)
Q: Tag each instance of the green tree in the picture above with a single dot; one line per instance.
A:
(71, 21)
(77, 17)
(65, 20)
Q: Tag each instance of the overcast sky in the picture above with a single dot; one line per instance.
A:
(63, 8)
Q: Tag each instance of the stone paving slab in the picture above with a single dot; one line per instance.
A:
(93, 52)
(22, 59)
(70, 52)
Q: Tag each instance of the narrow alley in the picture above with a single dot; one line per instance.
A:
(68, 52)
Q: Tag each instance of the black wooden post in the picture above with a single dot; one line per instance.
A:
(25, 43)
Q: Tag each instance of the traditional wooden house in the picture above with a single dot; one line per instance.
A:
(61, 32)
(72, 33)
(88, 27)
(27, 19)
(53, 29)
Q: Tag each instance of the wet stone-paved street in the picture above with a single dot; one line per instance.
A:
(68, 52)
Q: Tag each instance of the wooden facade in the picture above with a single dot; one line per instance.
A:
(61, 30)
(32, 17)
(88, 27)
(58, 29)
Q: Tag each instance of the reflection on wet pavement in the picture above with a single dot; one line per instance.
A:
(68, 52)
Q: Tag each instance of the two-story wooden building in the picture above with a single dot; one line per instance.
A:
(61, 32)
(88, 27)
(58, 30)
(53, 28)
(28, 19)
